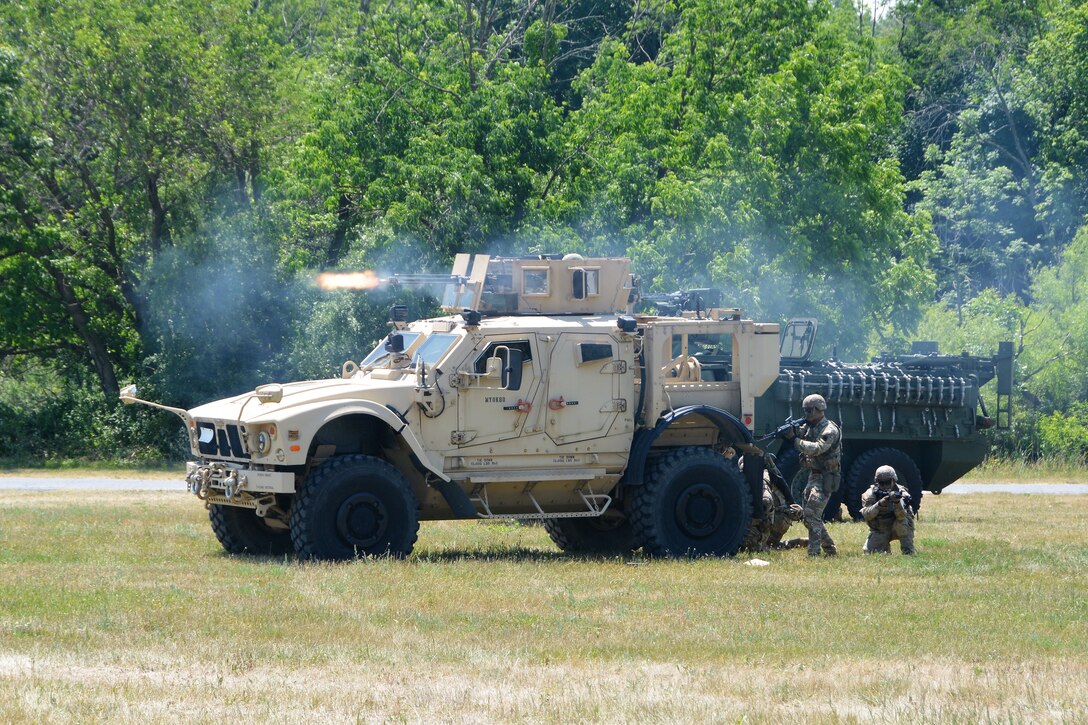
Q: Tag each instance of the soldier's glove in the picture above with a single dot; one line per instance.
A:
(794, 512)
(789, 433)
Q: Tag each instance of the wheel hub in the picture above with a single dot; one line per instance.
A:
(700, 510)
(362, 520)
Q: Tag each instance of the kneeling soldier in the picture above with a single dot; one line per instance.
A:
(886, 508)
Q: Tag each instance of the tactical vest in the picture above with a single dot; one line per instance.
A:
(829, 460)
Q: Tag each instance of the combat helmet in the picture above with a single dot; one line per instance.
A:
(814, 401)
(885, 474)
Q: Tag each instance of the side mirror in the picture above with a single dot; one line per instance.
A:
(272, 393)
(128, 394)
(394, 343)
(511, 367)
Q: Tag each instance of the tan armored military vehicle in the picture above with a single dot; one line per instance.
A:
(538, 396)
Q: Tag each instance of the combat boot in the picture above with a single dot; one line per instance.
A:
(830, 550)
(814, 548)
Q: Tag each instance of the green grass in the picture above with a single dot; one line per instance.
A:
(124, 608)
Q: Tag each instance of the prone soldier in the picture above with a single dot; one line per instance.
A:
(819, 442)
(886, 508)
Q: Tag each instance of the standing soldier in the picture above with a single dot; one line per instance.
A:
(820, 445)
(886, 508)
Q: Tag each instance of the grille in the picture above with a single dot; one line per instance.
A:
(223, 441)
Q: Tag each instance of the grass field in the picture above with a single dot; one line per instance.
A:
(123, 608)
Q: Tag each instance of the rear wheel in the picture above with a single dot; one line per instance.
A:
(862, 471)
(693, 502)
(242, 531)
(353, 506)
(608, 534)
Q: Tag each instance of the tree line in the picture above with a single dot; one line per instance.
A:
(173, 174)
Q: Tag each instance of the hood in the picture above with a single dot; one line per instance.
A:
(248, 408)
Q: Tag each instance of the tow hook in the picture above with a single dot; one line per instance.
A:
(197, 482)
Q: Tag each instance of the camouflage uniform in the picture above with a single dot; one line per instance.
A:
(774, 509)
(766, 533)
(888, 518)
(820, 447)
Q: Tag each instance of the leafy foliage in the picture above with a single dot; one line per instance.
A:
(1066, 436)
(172, 174)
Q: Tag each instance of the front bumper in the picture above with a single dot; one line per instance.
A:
(225, 481)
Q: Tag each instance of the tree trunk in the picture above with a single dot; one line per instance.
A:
(160, 233)
(95, 346)
(339, 235)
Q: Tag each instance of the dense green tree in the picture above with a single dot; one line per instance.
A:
(753, 154)
(435, 131)
(139, 126)
(1055, 87)
(172, 175)
(969, 145)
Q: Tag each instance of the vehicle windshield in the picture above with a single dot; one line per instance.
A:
(433, 348)
(378, 353)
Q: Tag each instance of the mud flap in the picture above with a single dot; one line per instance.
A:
(456, 498)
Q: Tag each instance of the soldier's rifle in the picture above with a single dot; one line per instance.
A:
(895, 494)
(791, 424)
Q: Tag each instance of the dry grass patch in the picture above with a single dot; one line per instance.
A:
(123, 607)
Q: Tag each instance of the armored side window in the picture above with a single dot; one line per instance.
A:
(480, 364)
(535, 281)
(591, 351)
(586, 283)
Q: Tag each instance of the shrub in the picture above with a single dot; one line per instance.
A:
(1065, 435)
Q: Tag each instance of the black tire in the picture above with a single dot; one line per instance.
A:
(789, 465)
(611, 533)
(354, 506)
(860, 476)
(693, 502)
(242, 531)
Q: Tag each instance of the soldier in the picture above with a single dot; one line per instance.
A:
(886, 508)
(820, 445)
(777, 507)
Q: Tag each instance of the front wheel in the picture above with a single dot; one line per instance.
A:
(242, 531)
(693, 502)
(353, 506)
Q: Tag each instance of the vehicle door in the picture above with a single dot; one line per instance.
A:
(498, 382)
(589, 387)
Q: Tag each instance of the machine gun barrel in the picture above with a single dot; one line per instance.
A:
(367, 280)
(690, 300)
(419, 280)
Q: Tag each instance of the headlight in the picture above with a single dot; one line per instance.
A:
(264, 443)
